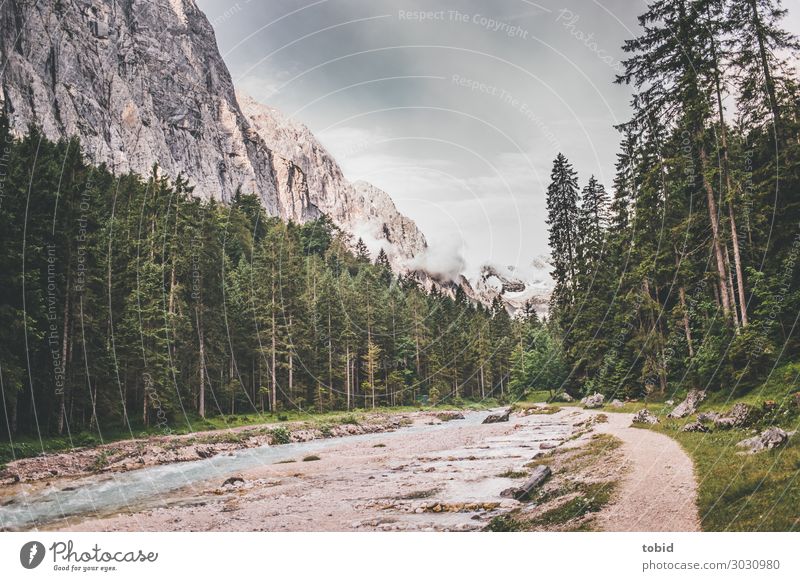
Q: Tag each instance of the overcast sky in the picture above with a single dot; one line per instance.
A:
(457, 112)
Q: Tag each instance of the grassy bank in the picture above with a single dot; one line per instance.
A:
(736, 492)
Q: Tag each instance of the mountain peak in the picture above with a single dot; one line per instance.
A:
(143, 84)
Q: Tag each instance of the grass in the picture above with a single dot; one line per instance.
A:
(280, 435)
(534, 408)
(736, 492)
(659, 408)
(780, 387)
(506, 523)
(590, 498)
(419, 494)
(512, 474)
(536, 397)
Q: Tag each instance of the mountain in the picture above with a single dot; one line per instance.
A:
(360, 208)
(515, 286)
(143, 83)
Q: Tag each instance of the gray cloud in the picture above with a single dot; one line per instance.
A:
(456, 108)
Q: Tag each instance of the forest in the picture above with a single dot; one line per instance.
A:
(684, 275)
(128, 303)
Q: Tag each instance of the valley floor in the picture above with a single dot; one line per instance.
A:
(446, 476)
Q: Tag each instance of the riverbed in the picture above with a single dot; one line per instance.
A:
(431, 475)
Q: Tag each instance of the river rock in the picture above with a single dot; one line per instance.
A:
(593, 401)
(644, 417)
(695, 427)
(689, 405)
(496, 418)
(233, 481)
(766, 440)
(447, 416)
(204, 452)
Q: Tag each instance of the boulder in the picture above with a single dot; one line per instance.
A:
(766, 440)
(739, 416)
(233, 481)
(447, 416)
(688, 406)
(708, 417)
(495, 418)
(593, 401)
(644, 417)
(564, 396)
(695, 427)
(615, 403)
(725, 423)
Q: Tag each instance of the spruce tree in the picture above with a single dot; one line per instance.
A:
(562, 220)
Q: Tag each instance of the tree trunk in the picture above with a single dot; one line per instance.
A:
(274, 379)
(347, 375)
(231, 371)
(714, 219)
(731, 292)
(330, 360)
(201, 403)
(769, 82)
(686, 326)
(737, 260)
(729, 190)
(62, 395)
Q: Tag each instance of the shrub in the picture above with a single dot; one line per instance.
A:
(280, 435)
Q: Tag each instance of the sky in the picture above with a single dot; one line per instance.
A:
(455, 108)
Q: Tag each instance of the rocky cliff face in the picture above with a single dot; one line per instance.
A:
(360, 208)
(139, 82)
(143, 83)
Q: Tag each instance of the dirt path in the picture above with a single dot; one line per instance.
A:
(659, 490)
